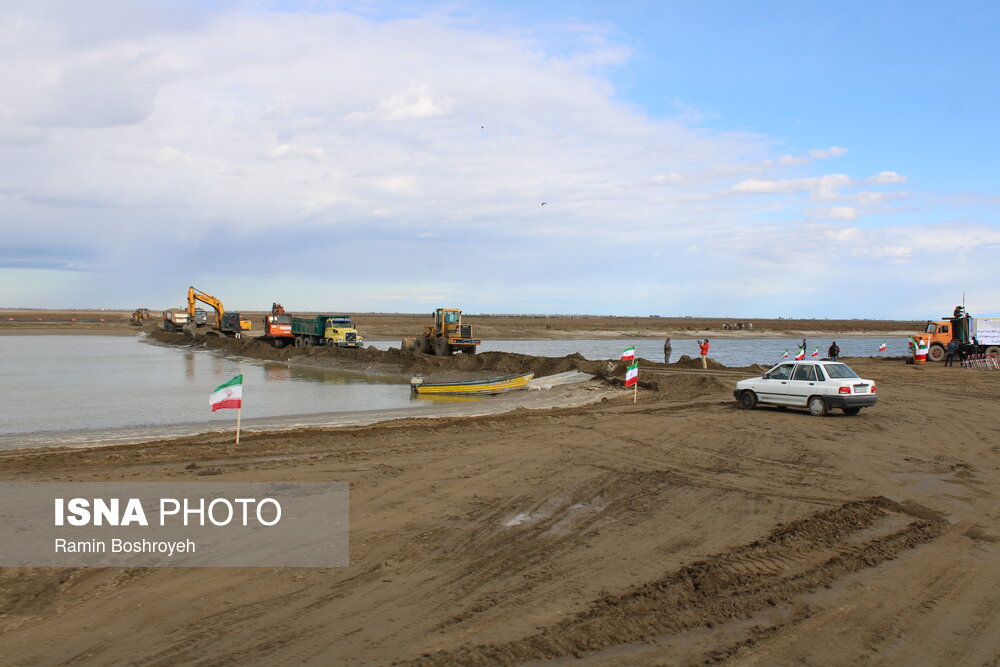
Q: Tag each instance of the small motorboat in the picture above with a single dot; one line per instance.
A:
(471, 387)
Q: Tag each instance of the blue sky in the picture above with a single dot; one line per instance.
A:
(695, 158)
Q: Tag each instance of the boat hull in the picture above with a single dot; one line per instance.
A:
(473, 388)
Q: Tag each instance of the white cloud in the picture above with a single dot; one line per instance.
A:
(886, 178)
(414, 102)
(840, 213)
(827, 153)
(821, 187)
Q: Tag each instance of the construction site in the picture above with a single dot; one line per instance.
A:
(571, 526)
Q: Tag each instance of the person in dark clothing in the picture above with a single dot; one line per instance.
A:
(833, 352)
(949, 351)
(667, 349)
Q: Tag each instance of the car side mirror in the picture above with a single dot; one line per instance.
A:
(765, 376)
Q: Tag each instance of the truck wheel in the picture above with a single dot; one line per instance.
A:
(817, 406)
(441, 347)
(936, 353)
(993, 349)
(748, 400)
(851, 411)
(469, 350)
(278, 343)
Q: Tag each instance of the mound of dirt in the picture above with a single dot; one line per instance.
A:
(399, 362)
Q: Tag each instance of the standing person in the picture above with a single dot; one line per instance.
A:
(802, 347)
(667, 349)
(834, 351)
(949, 351)
(703, 348)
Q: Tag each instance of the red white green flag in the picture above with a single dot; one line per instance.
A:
(632, 374)
(227, 395)
(785, 355)
(881, 347)
(801, 355)
(628, 354)
(815, 352)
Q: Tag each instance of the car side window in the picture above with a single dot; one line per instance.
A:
(782, 372)
(805, 372)
(819, 374)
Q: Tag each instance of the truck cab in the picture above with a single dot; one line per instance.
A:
(339, 330)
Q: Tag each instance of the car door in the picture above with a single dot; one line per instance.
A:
(774, 388)
(802, 385)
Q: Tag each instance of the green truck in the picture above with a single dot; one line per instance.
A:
(336, 330)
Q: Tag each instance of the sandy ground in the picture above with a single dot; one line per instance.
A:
(393, 326)
(678, 531)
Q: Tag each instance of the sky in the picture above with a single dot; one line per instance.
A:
(727, 159)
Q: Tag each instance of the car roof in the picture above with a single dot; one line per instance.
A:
(810, 361)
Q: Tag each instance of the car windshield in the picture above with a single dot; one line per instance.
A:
(838, 371)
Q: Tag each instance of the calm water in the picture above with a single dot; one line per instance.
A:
(72, 383)
(60, 383)
(728, 351)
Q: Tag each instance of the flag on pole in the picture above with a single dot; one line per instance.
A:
(632, 374)
(785, 355)
(815, 352)
(801, 355)
(881, 347)
(227, 395)
(628, 354)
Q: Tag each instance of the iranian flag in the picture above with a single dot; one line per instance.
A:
(785, 355)
(881, 347)
(801, 355)
(815, 352)
(227, 395)
(632, 374)
(628, 354)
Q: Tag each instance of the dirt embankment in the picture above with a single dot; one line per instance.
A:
(460, 366)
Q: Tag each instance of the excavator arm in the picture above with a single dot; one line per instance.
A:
(195, 294)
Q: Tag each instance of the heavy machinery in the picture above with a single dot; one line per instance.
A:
(175, 319)
(446, 335)
(336, 330)
(975, 335)
(278, 327)
(138, 316)
(227, 324)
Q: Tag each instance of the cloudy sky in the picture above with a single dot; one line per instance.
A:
(674, 158)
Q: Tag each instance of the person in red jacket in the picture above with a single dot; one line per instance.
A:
(704, 353)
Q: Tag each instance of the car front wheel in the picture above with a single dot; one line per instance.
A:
(817, 406)
(748, 400)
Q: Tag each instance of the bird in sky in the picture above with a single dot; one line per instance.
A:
(544, 203)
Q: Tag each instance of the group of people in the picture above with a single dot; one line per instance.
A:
(702, 352)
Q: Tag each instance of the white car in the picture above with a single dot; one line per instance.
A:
(818, 386)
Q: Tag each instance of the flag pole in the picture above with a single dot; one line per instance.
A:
(238, 413)
(635, 388)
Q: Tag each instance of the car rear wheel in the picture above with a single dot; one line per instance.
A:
(817, 406)
(748, 400)
(851, 411)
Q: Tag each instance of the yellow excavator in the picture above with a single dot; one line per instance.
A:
(228, 324)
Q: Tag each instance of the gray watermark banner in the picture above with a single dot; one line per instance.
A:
(165, 524)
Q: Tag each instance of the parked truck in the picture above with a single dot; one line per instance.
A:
(974, 335)
(277, 327)
(336, 330)
(175, 319)
(446, 335)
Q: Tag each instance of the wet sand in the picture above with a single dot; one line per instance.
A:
(676, 531)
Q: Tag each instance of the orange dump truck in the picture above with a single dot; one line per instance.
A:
(975, 335)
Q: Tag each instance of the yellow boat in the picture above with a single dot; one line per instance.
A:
(471, 387)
